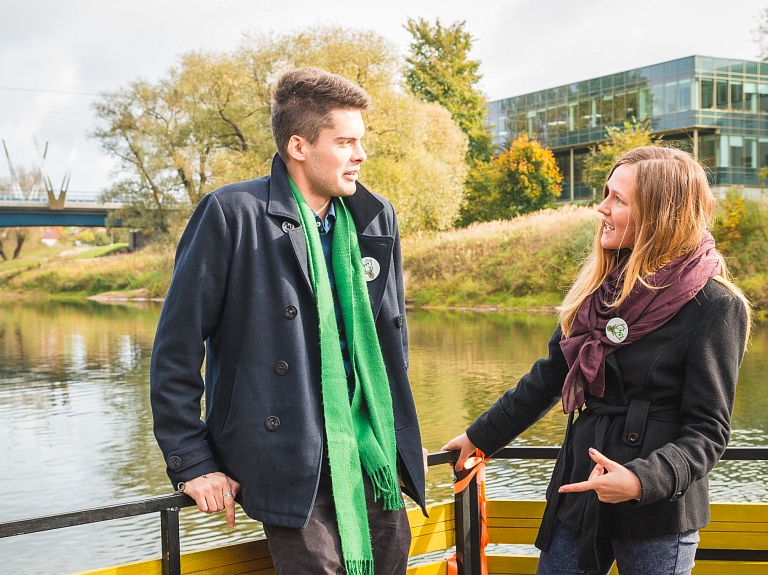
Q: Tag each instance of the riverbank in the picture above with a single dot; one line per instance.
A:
(60, 275)
(522, 264)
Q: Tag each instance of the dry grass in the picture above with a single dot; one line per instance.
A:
(150, 268)
(522, 263)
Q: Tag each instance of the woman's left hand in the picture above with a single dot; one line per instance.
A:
(612, 482)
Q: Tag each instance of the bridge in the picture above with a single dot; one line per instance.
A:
(52, 211)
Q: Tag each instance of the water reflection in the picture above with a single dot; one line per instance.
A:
(75, 422)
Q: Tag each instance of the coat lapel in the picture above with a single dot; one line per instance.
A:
(365, 208)
(380, 249)
(283, 207)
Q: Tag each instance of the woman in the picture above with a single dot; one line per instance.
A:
(646, 356)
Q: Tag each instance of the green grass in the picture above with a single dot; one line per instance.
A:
(100, 251)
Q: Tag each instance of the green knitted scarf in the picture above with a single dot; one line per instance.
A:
(362, 432)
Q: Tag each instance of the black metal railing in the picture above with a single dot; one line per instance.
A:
(466, 513)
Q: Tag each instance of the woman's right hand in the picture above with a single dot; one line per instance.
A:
(462, 444)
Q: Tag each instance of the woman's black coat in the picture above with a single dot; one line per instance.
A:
(666, 415)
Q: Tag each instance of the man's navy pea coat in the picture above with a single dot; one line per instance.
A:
(242, 299)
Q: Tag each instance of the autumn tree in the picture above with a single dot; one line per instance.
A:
(620, 139)
(207, 123)
(760, 34)
(522, 179)
(28, 180)
(439, 69)
(177, 139)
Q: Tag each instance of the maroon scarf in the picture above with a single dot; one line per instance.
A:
(644, 311)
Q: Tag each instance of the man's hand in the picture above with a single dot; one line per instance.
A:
(425, 455)
(612, 482)
(214, 492)
(464, 445)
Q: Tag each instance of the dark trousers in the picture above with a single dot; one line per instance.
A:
(316, 549)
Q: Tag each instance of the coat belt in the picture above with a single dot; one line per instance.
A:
(637, 414)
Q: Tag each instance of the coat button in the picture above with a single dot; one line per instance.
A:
(272, 423)
(287, 227)
(281, 368)
(174, 462)
(399, 321)
(291, 312)
(632, 437)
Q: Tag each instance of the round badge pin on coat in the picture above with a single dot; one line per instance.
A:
(371, 269)
(616, 330)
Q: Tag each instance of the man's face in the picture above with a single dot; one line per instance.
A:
(333, 163)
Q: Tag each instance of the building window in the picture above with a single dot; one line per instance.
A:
(619, 107)
(721, 94)
(737, 151)
(737, 96)
(762, 148)
(707, 150)
(608, 110)
(632, 111)
(762, 93)
(723, 153)
(657, 98)
(595, 120)
(750, 97)
(750, 153)
(670, 97)
(564, 165)
(585, 113)
(644, 103)
(707, 64)
(707, 92)
(684, 95)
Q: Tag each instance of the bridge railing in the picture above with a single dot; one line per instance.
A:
(466, 510)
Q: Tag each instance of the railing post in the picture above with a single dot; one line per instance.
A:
(467, 517)
(169, 527)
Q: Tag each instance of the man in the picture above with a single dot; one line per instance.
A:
(291, 288)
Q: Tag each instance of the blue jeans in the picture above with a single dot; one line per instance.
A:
(665, 555)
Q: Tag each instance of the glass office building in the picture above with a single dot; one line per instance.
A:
(715, 108)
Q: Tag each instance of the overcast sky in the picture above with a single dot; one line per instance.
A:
(48, 47)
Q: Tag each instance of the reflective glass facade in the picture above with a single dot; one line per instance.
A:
(715, 108)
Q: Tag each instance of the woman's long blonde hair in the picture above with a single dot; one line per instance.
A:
(672, 207)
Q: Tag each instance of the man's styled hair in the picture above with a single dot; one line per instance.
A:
(302, 103)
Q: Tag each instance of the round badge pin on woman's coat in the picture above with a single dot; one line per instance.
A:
(616, 330)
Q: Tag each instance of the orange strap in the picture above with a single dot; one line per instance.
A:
(476, 465)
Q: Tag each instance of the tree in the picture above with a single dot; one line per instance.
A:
(3, 235)
(27, 180)
(760, 34)
(620, 139)
(207, 123)
(439, 69)
(176, 139)
(522, 179)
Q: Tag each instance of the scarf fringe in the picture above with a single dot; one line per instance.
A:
(359, 567)
(386, 487)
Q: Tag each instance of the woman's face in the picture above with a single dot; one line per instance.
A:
(616, 208)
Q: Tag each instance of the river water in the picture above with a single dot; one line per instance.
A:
(75, 423)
